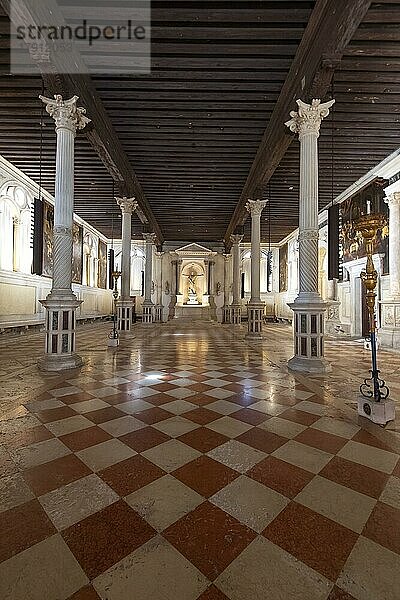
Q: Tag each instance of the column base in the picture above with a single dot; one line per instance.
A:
(124, 315)
(148, 313)
(60, 328)
(235, 314)
(309, 365)
(308, 325)
(255, 312)
(59, 362)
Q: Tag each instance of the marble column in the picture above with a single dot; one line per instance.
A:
(148, 306)
(309, 308)
(159, 290)
(255, 307)
(236, 306)
(174, 289)
(207, 277)
(124, 304)
(178, 277)
(61, 303)
(389, 334)
(393, 201)
(211, 290)
(226, 309)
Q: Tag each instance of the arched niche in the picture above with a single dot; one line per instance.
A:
(193, 278)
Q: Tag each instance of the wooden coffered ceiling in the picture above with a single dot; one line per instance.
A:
(205, 130)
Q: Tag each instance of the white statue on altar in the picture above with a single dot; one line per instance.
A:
(192, 293)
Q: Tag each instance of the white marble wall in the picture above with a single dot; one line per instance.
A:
(20, 291)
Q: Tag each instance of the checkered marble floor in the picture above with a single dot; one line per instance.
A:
(186, 465)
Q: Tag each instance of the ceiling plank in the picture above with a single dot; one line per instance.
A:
(101, 134)
(329, 30)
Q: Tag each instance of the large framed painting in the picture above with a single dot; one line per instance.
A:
(77, 253)
(102, 266)
(352, 243)
(48, 233)
(283, 268)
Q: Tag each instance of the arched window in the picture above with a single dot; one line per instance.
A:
(15, 222)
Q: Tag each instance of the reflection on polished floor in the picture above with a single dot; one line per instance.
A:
(190, 465)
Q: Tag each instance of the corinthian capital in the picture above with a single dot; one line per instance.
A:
(236, 238)
(393, 199)
(65, 112)
(150, 238)
(127, 205)
(255, 207)
(309, 117)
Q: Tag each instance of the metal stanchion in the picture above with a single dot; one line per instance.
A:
(374, 403)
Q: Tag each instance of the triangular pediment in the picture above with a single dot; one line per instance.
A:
(194, 250)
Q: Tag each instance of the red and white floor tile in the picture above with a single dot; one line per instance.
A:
(188, 466)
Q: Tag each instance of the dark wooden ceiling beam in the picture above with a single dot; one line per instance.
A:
(330, 28)
(101, 134)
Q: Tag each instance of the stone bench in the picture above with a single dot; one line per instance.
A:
(19, 324)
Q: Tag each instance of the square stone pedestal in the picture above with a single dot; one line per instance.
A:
(308, 324)
(124, 314)
(148, 313)
(226, 314)
(60, 327)
(255, 314)
(159, 313)
(377, 412)
(235, 314)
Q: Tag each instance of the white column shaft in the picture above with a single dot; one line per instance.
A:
(63, 210)
(211, 277)
(159, 277)
(255, 259)
(126, 256)
(226, 279)
(236, 273)
(148, 271)
(308, 214)
(394, 244)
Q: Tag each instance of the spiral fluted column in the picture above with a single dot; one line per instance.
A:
(308, 307)
(62, 303)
